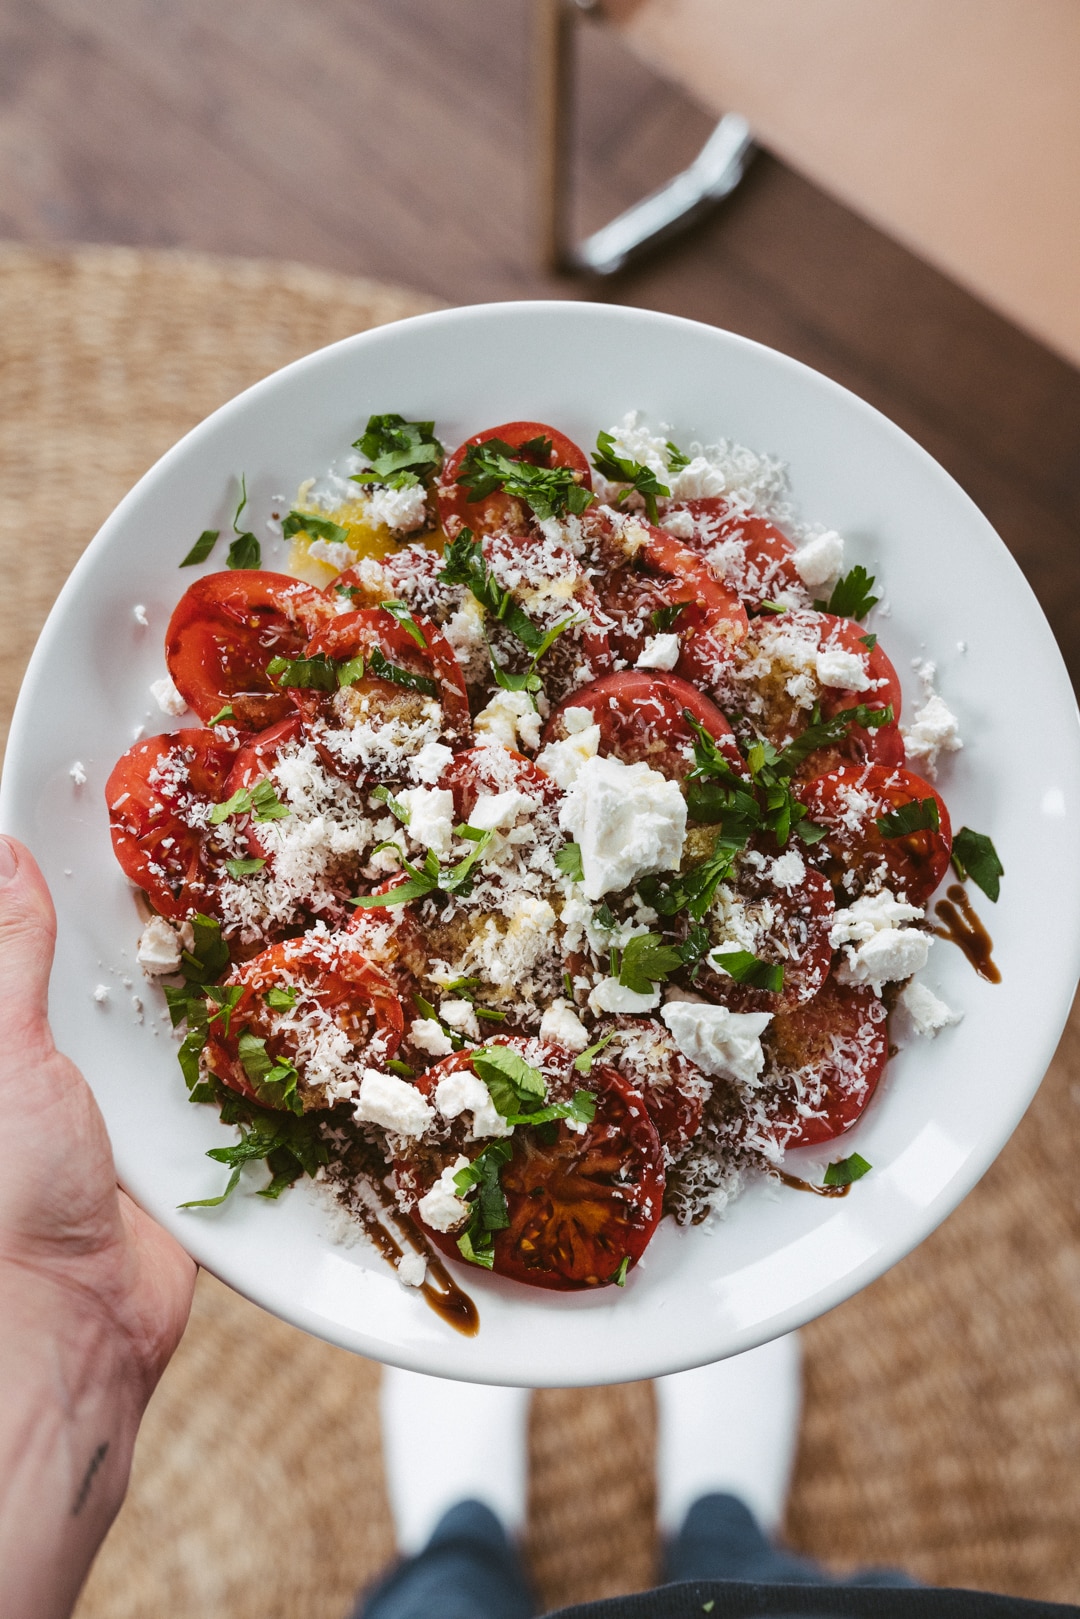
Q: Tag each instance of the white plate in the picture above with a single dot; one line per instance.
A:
(945, 1109)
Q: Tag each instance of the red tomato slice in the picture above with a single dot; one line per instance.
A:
(155, 792)
(483, 770)
(224, 631)
(849, 802)
(578, 1204)
(754, 557)
(673, 1089)
(794, 934)
(823, 1062)
(338, 990)
(640, 713)
(501, 511)
(534, 564)
(376, 699)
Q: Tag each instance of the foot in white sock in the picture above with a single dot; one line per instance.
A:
(730, 1429)
(446, 1442)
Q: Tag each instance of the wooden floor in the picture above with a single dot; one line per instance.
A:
(390, 138)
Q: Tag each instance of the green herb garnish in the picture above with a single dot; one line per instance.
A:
(244, 551)
(404, 617)
(619, 1277)
(851, 596)
(401, 453)
(320, 528)
(381, 666)
(260, 801)
(846, 1171)
(245, 868)
(568, 861)
(920, 815)
(974, 856)
(202, 547)
(620, 470)
(431, 876)
(225, 713)
(746, 968)
(549, 491)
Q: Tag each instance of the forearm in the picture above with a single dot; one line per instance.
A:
(70, 1403)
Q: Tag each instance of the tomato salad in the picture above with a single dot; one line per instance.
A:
(548, 850)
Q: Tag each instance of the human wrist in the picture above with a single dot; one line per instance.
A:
(73, 1394)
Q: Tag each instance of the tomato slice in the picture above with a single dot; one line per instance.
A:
(882, 745)
(641, 715)
(673, 1089)
(339, 991)
(500, 511)
(823, 1062)
(479, 771)
(848, 802)
(158, 796)
(751, 556)
(579, 1205)
(397, 702)
(225, 629)
(791, 929)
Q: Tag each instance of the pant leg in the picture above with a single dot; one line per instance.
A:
(467, 1570)
(722, 1540)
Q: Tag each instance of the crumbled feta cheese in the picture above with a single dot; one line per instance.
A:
(700, 479)
(335, 553)
(167, 697)
(441, 1208)
(412, 1269)
(78, 773)
(869, 914)
(432, 759)
(101, 994)
(634, 442)
(561, 1025)
(161, 946)
(140, 614)
(394, 1103)
(465, 632)
(679, 524)
(562, 760)
(628, 821)
(845, 670)
(788, 869)
(403, 510)
(426, 1035)
(611, 996)
(659, 652)
(463, 1092)
(820, 559)
(927, 1012)
(431, 816)
(459, 1015)
(510, 718)
(577, 720)
(497, 812)
(891, 954)
(722, 1043)
(934, 731)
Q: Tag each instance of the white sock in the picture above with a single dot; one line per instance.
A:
(447, 1442)
(732, 1429)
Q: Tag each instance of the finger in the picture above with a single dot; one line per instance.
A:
(27, 940)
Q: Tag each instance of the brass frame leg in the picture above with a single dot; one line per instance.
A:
(713, 174)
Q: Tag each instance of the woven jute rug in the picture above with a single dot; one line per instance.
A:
(942, 1427)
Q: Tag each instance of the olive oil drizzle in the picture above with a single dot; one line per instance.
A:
(964, 928)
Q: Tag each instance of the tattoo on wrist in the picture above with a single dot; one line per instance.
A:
(88, 1477)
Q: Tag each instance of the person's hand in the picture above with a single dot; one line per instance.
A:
(93, 1295)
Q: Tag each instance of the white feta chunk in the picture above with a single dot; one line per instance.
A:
(928, 1013)
(561, 1025)
(428, 765)
(101, 994)
(460, 1016)
(412, 1269)
(335, 553)
(788, 869)
(167, 697)
(611, 996)
(161, 946)
(820, 559)
(628, 821)
(869, 914)
(700, 479)
(577, 720)
(562, 760)
(392, 1103)
(78, 773)
(441, 1208)
(140, 614)
(933, 731)
(722, 1043)
(844, 670)
(510, 718)
(659, 652)
(499, 812)
(431, 816)
(888, 956)
(463, 1092)
(403, 510)
(426, 1035)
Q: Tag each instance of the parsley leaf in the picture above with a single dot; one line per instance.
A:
(664, 618)
(380, 665)
(429, 877)
(846, 1171)
(676, 459)
(568, 861)
(260, 801)
(583, 1063)
(974, 856)
(245, 868)
(401, 453)
(464, 564)
(620, 470)
(225, 713)
(309, 674)
(619, 1276)
(275, 1082)
(209, 954)
(512, 1081)
(319, 528)
(244, 551)
(692, 891)
(489, 1211)
(291, 1145)
(383, 795)
(645, 961)
(868, 641)
(549, 491)
(351, 591)
(528, 679)
(202, 547)
(404, 617)
(920, 815)
(746, 968)
(851, 596)
(280, 997)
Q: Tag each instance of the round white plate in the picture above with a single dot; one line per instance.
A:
(953, 593)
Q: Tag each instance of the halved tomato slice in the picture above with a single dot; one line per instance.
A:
(345, 1017)
(499, 510)
(641, 715)
(749, 554)
(159, 795)
(485, 771)
(673, 1089)
(823, 1062)
(790, 925)
(224, 631)
(849, 802)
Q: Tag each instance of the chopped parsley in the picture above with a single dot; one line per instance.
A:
(260, 801)
(401, 454)
(868, 641)
(519, 1092)
(974, 856)
(431, 877)
(746, 968)
(350, 592)
(583, 1063)
(245, 868)
(291, 1145)
(619, 1276)
(665, 618)
(772, 607)
(381, 666)
(851, 596)
(920, 815)
(549, 491)
(222, 714)
(281, 997)
(646, 960)
(618, 469)
(528, 680)
(489, 1212)
(317, 673)
(319, 528)
(464, 564)
(676, 459)
(202, 547)
(846, 1171)
(383, 795)
(692, 891)
(275, 1081)
(568, 861)
(404, 617)
(244, 551)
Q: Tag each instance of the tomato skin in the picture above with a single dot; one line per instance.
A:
(352, 635)
(840, 1042)
(223, 632)
(640, 715)
(766, 566)
(579, 1206)
(916, 863)
(500, 511)
(355, 993)
(797, 938)
(172, 862)
(469, 774)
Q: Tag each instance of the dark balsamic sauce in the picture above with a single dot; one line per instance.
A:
(441, 1293)
(808, 1186)
(965, 929)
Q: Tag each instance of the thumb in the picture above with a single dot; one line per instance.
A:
(27, 940)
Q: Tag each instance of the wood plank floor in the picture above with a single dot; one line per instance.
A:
(390, 138)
